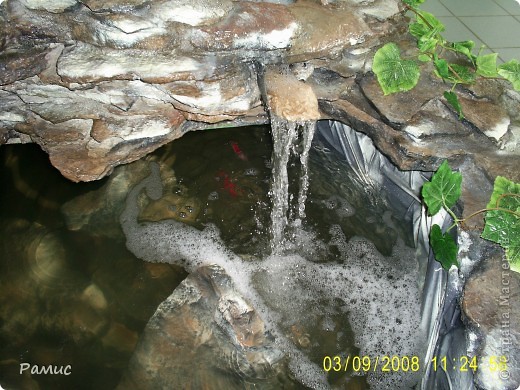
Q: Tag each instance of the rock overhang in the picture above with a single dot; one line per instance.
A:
(98, 84)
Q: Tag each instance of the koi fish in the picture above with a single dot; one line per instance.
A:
(241, 155)
(228, 184)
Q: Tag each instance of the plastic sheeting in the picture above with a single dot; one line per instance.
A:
(441, 290)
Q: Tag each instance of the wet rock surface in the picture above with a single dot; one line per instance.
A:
(205, 335)
(491, 304)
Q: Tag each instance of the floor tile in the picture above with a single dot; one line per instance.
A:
(511, 6)
(457, 31)
(508, 54)
(486, 29)
(435, 7)
(474, 7)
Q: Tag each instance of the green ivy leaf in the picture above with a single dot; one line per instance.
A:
(430, 21)
(503, 227)
(443, 189)
(511, 71)
(463, 74)
(453, 100)
(418, 30)
(463, 47)
(444, 247)
(441, 68)
(427, 45)
(513, 256)
(487, 65)
(453, 72)
(394, 74)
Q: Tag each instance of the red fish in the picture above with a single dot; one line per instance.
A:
(241, 155)
(229, 186)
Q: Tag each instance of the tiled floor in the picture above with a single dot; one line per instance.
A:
(493, 23)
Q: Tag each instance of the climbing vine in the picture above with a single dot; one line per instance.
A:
(502, 215)
(454, 63)
(397, 74)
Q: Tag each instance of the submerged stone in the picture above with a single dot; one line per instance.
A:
(204, 335)
(41, 293)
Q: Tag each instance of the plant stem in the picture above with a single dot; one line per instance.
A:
(490, 209)
(502, 196)
(418, 14)
(454, 224)
(456, 220)
(492, 78)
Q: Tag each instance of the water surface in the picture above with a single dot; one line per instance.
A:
(72, 294)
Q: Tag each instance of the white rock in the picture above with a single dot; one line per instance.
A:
(192, 12)
(276, 39)
(499, 129)
(55, 6)
(93, 63)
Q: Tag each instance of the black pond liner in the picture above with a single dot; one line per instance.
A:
(441, 290)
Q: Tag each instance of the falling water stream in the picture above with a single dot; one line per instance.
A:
(331, 274)
(286, 144)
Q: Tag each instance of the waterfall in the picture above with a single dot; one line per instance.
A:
(286, 142)
(307, 135)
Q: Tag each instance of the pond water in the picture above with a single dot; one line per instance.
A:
(71, 293)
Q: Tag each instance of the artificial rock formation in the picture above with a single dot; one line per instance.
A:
(102, 83)
(98, 84)
(491, 305)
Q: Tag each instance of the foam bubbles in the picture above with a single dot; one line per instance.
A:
(294, 294)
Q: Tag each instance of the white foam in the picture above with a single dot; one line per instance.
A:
(379, 294)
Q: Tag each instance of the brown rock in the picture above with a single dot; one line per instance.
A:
(250, 26)
(492, 304)
(489, 118)
(324, 32)
(88, 63)
(21, 64)
(400, 107)
(289, 98)
(204, 335)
